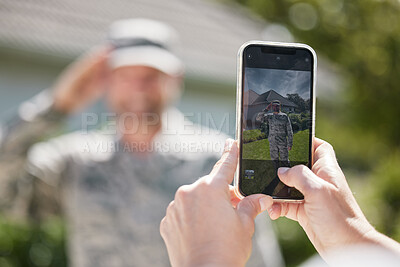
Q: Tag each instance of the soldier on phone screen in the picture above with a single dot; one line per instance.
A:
(278, 129)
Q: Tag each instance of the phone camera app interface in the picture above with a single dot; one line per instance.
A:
(276, 122)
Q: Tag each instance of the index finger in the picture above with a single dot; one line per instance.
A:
(225, 168)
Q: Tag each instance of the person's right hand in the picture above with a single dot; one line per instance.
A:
(82, 82)
(330, 215)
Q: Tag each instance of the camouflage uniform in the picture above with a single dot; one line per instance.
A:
(277, 127)
(280, 135)
(113, 199)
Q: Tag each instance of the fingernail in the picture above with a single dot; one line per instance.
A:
(264, 202)
(282, 170)
(228, 144)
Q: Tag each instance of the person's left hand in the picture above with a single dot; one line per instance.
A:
(202, 227)
(289, 148)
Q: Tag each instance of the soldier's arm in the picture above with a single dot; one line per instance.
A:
(289, 132)
(260, 117)
(34, 121)
(81, 83)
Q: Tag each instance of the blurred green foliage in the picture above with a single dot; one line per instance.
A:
(362, 39)
(31, 244)
(294, 242)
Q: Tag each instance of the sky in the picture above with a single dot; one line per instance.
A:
(282, 81)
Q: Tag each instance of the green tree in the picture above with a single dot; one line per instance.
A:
(302, 105)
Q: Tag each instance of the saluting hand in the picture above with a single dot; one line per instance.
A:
(82, 82)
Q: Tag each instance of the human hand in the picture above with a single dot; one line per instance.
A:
(289, 148)
(330, 215)
(82, 82)
(202, 227)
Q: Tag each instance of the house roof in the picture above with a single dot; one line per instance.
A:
(270, 96)
(211, 32)
(250, 96)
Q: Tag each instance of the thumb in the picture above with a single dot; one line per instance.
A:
(251, 206)
(300, 177)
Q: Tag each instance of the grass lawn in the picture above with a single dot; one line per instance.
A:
(252, 135)
(260, 149)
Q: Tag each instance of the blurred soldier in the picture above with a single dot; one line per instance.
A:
(278, 129)
(113, 187)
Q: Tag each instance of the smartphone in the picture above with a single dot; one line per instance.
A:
(275, 115)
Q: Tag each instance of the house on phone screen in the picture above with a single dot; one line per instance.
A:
(266, 98)
(256, 103)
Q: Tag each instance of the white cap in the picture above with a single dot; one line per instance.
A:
(145, 42)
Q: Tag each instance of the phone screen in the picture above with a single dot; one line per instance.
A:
(276, 121)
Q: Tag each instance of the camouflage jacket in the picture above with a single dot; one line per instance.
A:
(277, 127)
